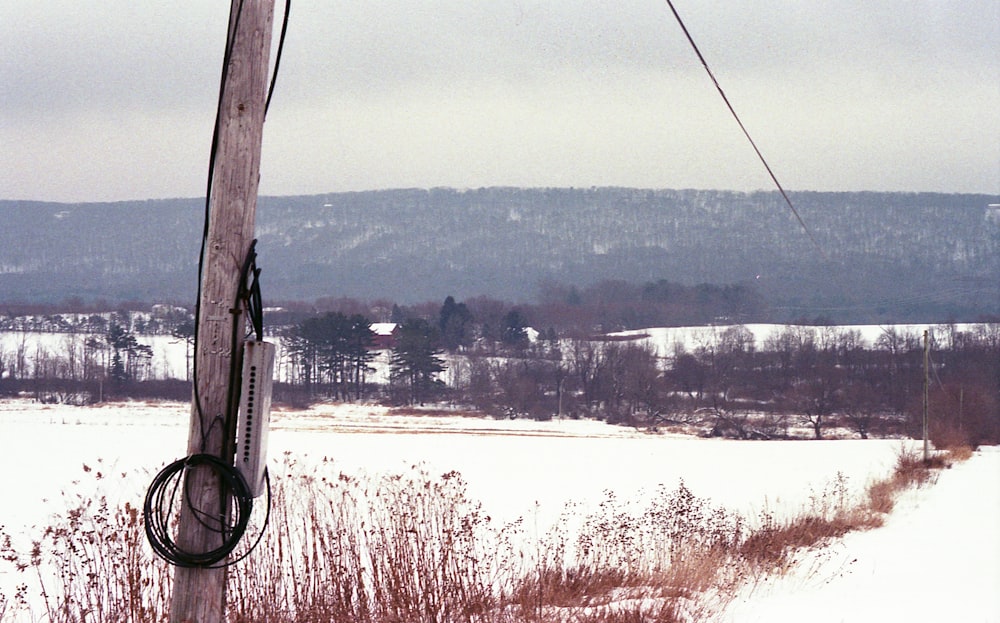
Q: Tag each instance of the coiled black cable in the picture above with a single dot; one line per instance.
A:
(230, 524)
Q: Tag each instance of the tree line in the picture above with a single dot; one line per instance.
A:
(331, 354)
(484, 354)
(816, 378)
(80, 367)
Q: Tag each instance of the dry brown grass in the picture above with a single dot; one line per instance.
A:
(957, 454)
(414, 548)
(910, 471)
(774, 545)
(91, 563)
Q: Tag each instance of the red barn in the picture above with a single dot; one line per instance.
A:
(385, 335)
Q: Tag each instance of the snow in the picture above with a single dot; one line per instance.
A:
(509, 464)
(936, 559)
(383, 328)
(169, 353)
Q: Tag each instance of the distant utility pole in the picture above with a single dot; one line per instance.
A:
(199, 594)
(927, 382)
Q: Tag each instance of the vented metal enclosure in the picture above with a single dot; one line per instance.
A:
(254, 416)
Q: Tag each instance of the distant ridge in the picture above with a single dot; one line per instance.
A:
(897, 256)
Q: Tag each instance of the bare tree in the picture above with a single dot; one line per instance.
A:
(586, 359)
(817, 398)
(862, 407)
(641, 384)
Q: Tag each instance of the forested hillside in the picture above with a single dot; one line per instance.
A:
(876, 256)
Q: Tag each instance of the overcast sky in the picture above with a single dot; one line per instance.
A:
(114, 99)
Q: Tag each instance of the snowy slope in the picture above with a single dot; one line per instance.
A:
(937, 559)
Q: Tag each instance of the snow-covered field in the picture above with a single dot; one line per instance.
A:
(938, 558)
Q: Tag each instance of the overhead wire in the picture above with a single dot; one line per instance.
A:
(746, 132)
(835, 275)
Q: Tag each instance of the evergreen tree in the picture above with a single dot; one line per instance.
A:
(416, 360)
(333, 349)
(359, 338)
(129, 358)
(455, 324)
(185, 331)
(514, 332)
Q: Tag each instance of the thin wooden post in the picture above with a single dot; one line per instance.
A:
(961, 408)
(927, 382)
(199, 594)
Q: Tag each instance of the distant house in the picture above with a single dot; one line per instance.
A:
(385, 335)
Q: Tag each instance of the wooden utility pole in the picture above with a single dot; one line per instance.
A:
(199, 594)
(927, 383)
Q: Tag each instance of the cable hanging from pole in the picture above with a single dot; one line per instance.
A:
(213, 153)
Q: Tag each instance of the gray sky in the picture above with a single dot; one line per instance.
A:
(114, 99)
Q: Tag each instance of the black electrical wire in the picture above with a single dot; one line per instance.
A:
(248, 301)
(230, 524)
(277, 56)
(249, 292)
(746, 133)
(212, 155)
(836, 273)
